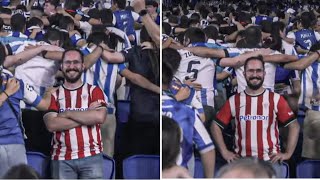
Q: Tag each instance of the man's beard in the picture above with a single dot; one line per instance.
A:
(74, 79)
(255, 86)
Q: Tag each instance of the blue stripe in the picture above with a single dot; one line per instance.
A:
(108, 81)
(15, 48)
(36, 102)
(96, 76)
(15, 34)
(304, 86)
(200, 110)
(314, 77)
(42, 90)
(204, 96)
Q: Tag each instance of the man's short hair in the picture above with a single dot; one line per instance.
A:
(254, 58)
(73, 49)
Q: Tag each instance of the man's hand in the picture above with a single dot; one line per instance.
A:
(279, 157)
(196, 86)
(94, 105)
(12, 86)
(183, 93)
(229, 156)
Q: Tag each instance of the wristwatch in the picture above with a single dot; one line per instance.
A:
(143, 12)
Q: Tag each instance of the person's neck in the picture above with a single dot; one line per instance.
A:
(75, 85)
(252, 92)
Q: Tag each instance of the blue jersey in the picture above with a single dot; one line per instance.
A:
(261, 18)
(305, 38)
(125, 21)
(10, 129)
(103, 75)
(310, 87)
(193, 130)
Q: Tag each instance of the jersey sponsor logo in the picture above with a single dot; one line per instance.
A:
(253, 117)
(72, 109)
(290, 113)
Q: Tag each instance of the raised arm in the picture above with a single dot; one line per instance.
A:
(152, 28)
(140, 81)
(303, 63)
(280, 58)
(207, 52)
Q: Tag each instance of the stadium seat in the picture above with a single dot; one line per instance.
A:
(308, 169)
(39, 162)
(123, 109)
(109, 167)
(141, 167)
(284, 170)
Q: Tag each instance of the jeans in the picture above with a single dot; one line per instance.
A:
(11, 155)
(85, 168)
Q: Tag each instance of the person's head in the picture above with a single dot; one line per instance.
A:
(151, 6)
(21, 171)
(263, 9)
(306, 19)
(66, 23)
(194, 35)
(72, 65)
(94, 13)
(171, 138)
(72, 4)
(18, 23)
(184, 22)
(97, 37)
(266, 26)
(253, 37)
(194, 20)
(211, 32)
(247, 168)
(170, 63)
(87, 3)
(54, 37)
(166, 28)
(106, 17)
(144, 35)
(121, 4)
(3, 53)
(314, 48)
(50, 7)
(36, 11)
(34, 21)
(254, 72)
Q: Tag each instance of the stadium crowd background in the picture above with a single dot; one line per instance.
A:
(227, 31)
(119, 41)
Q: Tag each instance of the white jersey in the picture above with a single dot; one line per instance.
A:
(200, 69)
(103, 75)
(38, 71)
(270, 69)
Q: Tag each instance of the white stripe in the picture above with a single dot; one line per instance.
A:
(232, 106)
(86, 140)
(199, 127)
(243, 123)
(265, 125)
(273, 126)
(74, 143)
(254, 135)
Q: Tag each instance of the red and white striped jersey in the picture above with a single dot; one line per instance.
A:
(82, 141)
(256, 119)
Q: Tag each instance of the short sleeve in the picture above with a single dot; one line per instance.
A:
(54, 106)
(224, 116)
(284, 115)
(121, 67)
(98, 96)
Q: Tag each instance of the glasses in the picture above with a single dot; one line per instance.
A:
(74, 62)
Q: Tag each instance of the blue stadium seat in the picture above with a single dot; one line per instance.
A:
(123, 108)
(39, 162)
(284, 170)
(141, 167)
(308, 169)
(109, 167)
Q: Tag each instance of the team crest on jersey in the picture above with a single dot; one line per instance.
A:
(84, 96)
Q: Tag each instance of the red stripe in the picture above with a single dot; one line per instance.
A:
(92, 152)
(89, 95)
(58, 150)
(248, 127)
(271, 108)
(66, 132)
(277, 136)
(99, 137)
(259, 127)
(237, 109)
(79, 134)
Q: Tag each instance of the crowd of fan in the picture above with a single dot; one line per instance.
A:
(285, 33)
(120, 43)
